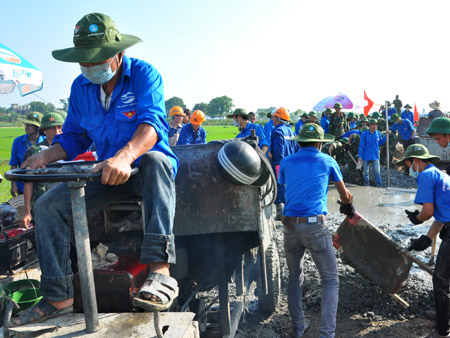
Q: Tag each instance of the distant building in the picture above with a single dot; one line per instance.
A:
(18, 109)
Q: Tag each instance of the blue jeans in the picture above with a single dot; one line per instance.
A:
(316, 238)
(154, 183)
(376, 172)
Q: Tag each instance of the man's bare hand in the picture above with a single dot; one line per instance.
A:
(114, 170)
(34, 162)
(25, 221)
(14, 190)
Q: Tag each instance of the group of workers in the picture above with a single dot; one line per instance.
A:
(118, 103)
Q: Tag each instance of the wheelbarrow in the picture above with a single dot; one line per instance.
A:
(375, 256)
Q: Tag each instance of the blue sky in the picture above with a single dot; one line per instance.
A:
(260, 53)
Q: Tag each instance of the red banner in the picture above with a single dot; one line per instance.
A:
(416, 114)
(369, 105)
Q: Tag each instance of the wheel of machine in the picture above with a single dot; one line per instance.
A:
(269, 302)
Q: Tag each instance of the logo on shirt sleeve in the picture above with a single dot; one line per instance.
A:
(129, 114)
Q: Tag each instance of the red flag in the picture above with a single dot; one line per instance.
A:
(416, 114)
(369, 105)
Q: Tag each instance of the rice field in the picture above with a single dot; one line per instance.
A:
(7, 136)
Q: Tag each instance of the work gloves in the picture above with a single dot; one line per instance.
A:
(347, 209)
(420, 244)
(413, 216)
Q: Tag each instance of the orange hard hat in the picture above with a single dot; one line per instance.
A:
(282, 113)
(197, 117)
(176, 110)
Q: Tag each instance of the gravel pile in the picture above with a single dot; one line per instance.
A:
(397, 178)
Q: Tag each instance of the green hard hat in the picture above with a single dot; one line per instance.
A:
(440, 125)
(351, 115)
(33, 118)
(362, 115)
(304, 115)
(312, 113)
(328, 111)
(376, 115)
(373, 121)
(239, 112)
(312, 132)
(418, 151)
(51, 120)
(365, 119)
(337, 105)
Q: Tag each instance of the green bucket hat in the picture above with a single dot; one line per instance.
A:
(51, 120)
(417, 151)
(394, 118)
(312, 132)
(337, 105)
(376, 115)
(312, 113)
(304, 115)
(362, 115)
(373, 121)
(440, 125)
(96, 38)
(351, 115)
(33, 118)
(238, 112)
(328, 111)
(344, 140)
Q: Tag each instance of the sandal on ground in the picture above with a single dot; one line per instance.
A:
(32, 316)
(163, 287)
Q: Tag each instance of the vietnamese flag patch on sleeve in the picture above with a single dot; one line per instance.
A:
(129, 114)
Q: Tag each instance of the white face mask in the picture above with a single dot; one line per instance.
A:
(413, 172)
(99, 74)
(407, 109)
(236, 123)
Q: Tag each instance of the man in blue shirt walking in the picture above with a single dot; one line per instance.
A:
(281, 146)
(118, 103)
(433, 193)
(302, 121)
(241, 120)
(369, 152)
(324, 121)
(306, 175)
(193, 132)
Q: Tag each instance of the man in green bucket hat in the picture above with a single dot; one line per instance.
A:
(439, 129)
(433, 193)
(305, 175)
(20, 145)
(118, 103)
(51, 125)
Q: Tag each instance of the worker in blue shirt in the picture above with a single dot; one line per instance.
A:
(406, 132)
(20, 145)
(305, 176)
(242, 120)
(324, 121)
(369, 152)
(407, 114)
(301, 122)
(193, 132)
(281, 147)
(175, 126)
(118, 103)
(433, 193)
(268, 127)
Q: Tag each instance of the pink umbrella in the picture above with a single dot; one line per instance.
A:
(329, 102)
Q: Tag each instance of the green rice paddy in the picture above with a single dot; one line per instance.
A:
(7, 136)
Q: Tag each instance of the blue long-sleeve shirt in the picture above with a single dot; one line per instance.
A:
(259, 132)
(187, 135)
(299, 125)
(369, 145)
(138, 97)
(324, 122)
(408, 115)
(280, 144)
(405, 129)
